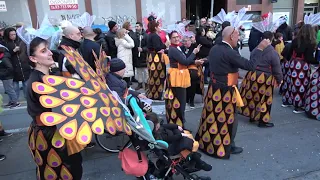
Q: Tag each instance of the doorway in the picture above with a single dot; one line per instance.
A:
(202, 8)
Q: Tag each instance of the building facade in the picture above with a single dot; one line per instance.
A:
(33, 11)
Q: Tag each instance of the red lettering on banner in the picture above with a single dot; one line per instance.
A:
(64, 7)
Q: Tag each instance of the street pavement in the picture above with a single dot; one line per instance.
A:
(289, 151)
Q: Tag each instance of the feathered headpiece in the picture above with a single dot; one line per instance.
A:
(85, 20)
(239, 18)
(46, 31)
(235, 19)
(180, 28)
(269, 24)
(312, 19)
(222, 16)
(152, 16)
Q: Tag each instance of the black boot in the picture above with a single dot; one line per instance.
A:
(139, 86)
(265, 125)
(199, 163)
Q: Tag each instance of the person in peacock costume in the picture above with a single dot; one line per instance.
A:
(156, 62)
(257, 87)
(178, 80)
(218, 124)
(297, 80)
(312, 103)
(65, 111)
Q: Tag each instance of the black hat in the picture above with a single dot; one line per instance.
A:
(111, 24)
(116, 65)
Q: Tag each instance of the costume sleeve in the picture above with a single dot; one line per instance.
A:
(128, 42)
(238, 61)
(175, 54)
(276, 67)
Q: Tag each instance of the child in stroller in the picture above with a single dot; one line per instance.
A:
(182, 148)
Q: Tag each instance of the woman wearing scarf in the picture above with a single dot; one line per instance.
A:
(178, 80)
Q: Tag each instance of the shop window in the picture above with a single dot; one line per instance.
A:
(246, 2)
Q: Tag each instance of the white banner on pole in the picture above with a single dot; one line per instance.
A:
(3, 7)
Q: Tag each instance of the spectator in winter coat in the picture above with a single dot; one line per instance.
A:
(6, 76)
(124, 45)
(115, 79)
(254, 39)
(110, 38)
(19, 59)
(127, 25)
(205, 49)
(87, 45)
(100, 39)
(286, 31)
(141, 71)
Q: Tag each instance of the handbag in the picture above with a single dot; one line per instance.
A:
(133, 162)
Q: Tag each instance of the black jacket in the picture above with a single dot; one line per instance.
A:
(19, 61)
(286, 31)
(100, 39)
(112, 48)
(86, 48)
(67, 42)
(172, 135)
(6, 69)
(206, 46)
(116, 83)
(141, 61)
(135, 48)
(255, 38)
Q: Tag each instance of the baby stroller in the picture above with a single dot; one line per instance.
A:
(159, 162)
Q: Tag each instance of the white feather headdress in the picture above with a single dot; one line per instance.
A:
(46, 31)
(85, 20)
(240, 17)
(235, 19)
(312, 19)
(222, 16)
(269, 24)
(180, 28)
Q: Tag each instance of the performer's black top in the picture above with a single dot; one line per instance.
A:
(223, 60)
(155, 43)
(306, 50)
(33, 104)
(177, 56)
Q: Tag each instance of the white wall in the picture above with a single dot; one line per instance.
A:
(43, 8)
(169, 9)
(116, 10)
(17, 11)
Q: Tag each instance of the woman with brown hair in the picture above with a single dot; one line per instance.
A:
(156, 62)
(301, 55)
(52, 154)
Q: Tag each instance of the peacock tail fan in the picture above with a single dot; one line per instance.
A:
(80, 107)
